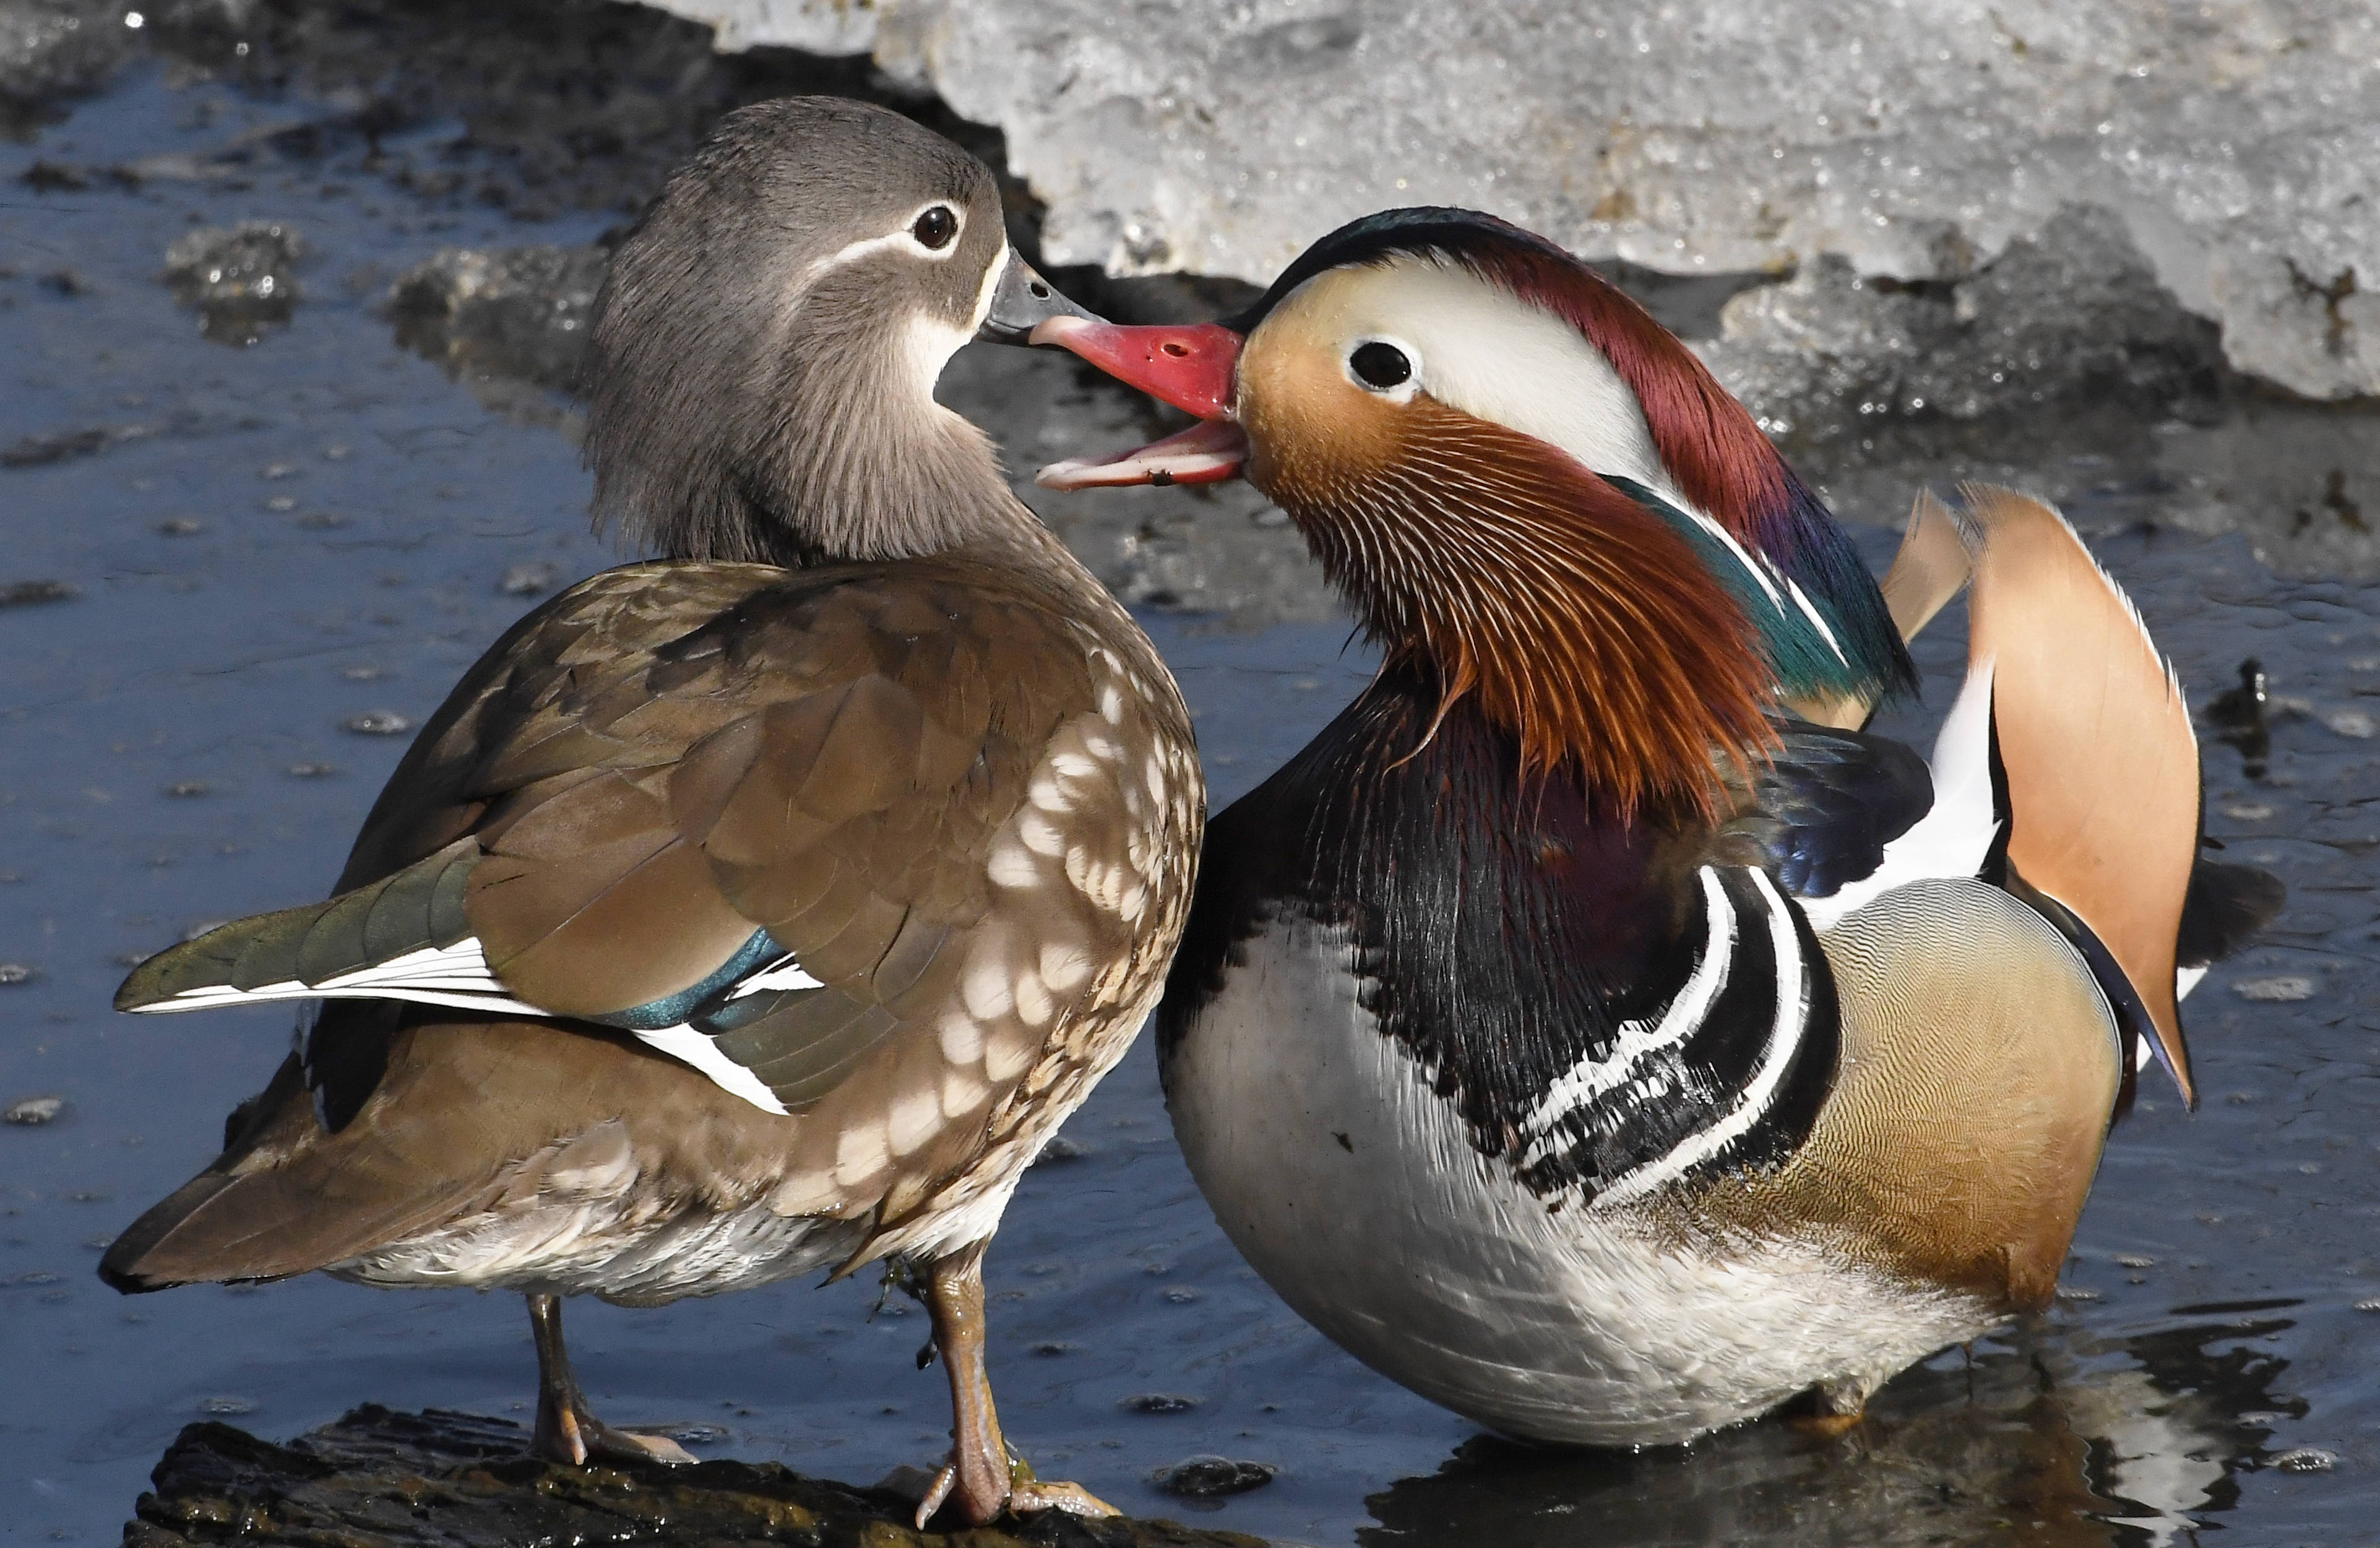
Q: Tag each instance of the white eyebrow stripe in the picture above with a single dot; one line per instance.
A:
(853, 251)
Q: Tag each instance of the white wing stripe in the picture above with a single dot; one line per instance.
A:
(783, 973)
(457, 978)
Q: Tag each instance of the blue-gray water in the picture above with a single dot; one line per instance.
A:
(278, 538)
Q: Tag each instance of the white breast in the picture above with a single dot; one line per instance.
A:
(1351, 1188)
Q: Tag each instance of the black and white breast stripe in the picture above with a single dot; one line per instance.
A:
(1603, 1013)
(1689, 1089)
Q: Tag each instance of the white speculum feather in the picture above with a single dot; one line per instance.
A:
(457, 977)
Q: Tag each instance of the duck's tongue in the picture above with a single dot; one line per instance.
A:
(1191, 368)
(1209, 452)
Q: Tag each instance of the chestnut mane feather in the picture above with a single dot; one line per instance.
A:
(1714, 451)
(1584, 625)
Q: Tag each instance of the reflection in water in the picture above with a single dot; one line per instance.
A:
(2047, 1435)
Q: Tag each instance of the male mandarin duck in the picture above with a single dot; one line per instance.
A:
(757, 910)
(1591, 1028)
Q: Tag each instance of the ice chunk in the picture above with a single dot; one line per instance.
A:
(2237, 146)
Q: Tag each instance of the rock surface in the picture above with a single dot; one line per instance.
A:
(382, 1479)
(2233, 145)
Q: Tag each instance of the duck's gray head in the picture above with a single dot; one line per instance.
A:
(766, 346)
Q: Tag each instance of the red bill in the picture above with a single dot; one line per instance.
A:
(1189, 367)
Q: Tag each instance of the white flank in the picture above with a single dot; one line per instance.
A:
(1792, 1018)
(1957, 831)
(1591, 1077)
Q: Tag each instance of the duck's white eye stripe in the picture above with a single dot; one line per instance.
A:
(905, 238)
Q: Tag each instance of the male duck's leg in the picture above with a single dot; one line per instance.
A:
(980, 1470)
(566, 1430)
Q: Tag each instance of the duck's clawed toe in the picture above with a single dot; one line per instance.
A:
(610, 1445)
(1830, 1426)
(575, 1437)
(1073, 1498)
(987, 1500)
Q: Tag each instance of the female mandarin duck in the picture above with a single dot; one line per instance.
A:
(1588, 1029)
(764, 909)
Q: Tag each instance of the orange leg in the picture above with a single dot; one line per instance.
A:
(980, 1472)
(566, 1430)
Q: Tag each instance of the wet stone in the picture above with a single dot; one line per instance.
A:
(1159, 1403)
(28, 593)
(180, 527)
(2304, 1459)
(377, 1478)
(1209, 1478)
(527, 581)
(34, 451)
(14, 972)
(515, 313)
(1061, 1150)
(2282, 988)
(239, 277)
(49, 176)
(33, 1110)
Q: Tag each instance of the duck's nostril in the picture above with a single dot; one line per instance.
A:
(1041, 291)
(1175, 349)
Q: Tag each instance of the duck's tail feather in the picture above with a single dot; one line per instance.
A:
(2099, 763)
(279, 1200)
(403, 936)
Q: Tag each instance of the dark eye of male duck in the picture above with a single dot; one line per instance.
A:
(757, 910)
(1592, 1029)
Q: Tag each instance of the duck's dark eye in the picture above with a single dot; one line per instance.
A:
(935, 228)
(1380, 365)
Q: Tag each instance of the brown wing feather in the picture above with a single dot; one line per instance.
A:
(830, 756)
(2102, 763)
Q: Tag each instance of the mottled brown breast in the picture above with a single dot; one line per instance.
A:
(1979, 1068)
(962, 794)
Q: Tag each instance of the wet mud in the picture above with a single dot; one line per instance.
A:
(242, 561)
